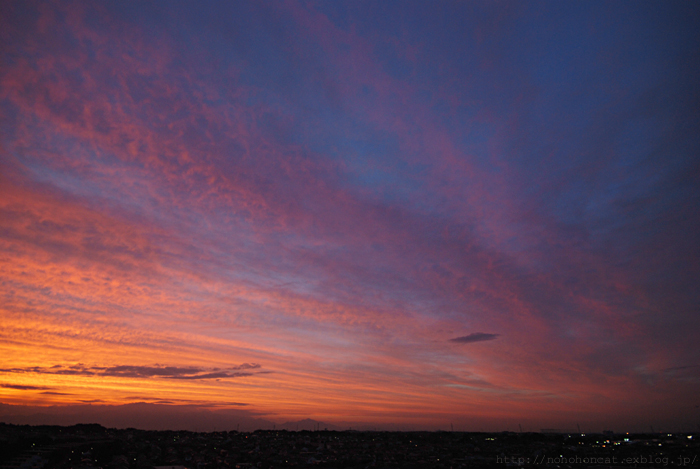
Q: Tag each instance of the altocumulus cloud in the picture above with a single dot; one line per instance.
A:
(133, 371)
(475, 337)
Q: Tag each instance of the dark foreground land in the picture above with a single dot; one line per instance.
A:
(93, 446)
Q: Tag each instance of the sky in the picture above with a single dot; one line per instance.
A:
(396, 214)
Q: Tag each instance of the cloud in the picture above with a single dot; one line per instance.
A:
(133, 371)
(23, 387)
(475, 337)
(679, 368)
(185, 402)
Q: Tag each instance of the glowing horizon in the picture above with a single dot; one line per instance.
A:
(380, 213)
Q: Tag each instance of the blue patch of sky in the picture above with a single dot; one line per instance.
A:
(370, 162)
(89, 181)
(476, 140)
(618, 59)
(393, 61)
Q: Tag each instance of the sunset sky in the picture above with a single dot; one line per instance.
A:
(402, 215)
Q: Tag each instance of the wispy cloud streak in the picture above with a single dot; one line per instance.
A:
(475, 337)
(127, 371)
